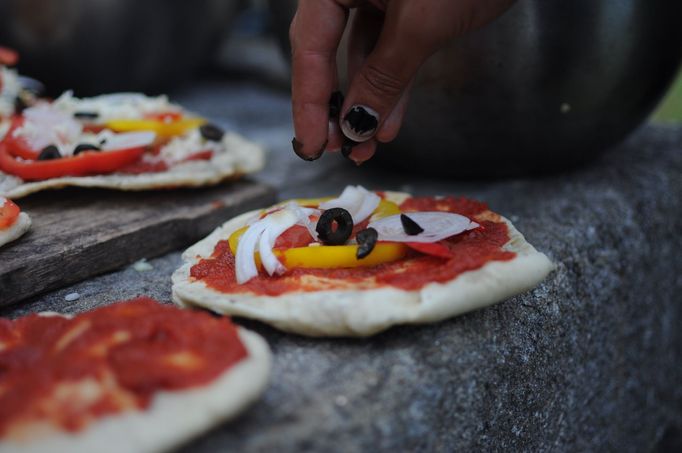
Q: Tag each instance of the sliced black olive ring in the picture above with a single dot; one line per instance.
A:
(49, 152)
(410, 226)
(325, 226)
(82, 147)
(366, 240)
(211, 132)
(86, 115)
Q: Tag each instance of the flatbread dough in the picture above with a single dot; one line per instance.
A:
(361, 312)
(173, 417)
(19, 227)
(241, 157)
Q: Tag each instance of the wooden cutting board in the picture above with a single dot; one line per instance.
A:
(78, 233)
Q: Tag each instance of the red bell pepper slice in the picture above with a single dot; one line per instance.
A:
(431, 248)
(8, 57)
(17, 146)
(87, 163)
(8, 214)
(166, 117)
(200, 155)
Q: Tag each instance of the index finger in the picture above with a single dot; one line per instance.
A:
(315, 35)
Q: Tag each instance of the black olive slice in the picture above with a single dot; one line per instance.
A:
(49, 152)
(211, 132)
(366, 239)
(325, 226)
(86, 115)
(82, 147)
(410, 226)
(347, 147)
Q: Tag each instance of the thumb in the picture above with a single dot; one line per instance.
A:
(379, 84)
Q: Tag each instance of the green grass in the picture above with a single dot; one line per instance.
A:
(670, 109)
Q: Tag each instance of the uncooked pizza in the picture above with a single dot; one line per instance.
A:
(125, 141)
(13, 222)
(359, 263)
(135, 376)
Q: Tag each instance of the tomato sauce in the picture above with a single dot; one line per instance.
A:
(457, 205)
(133, 349)
(469, 251)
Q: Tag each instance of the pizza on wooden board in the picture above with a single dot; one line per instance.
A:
(135, 376)
(360, 263)
(125, 141)
(13, 222)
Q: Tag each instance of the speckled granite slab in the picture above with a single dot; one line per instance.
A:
(588, 361)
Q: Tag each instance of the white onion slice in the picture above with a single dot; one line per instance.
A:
(245, 263)
(129, 140)
(46, 125)
(357, 200)
(263, 234)
(437, 225)
(278, 223)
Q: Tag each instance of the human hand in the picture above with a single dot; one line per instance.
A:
(389, 41)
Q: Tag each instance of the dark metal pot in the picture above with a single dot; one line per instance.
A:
(97, 46)
(546, 86)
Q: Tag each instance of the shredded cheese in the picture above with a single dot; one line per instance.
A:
(116, 106)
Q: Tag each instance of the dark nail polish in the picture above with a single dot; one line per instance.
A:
(335, 103)
(320, 152)
(360, 123)
(298, 148)
(347, 147)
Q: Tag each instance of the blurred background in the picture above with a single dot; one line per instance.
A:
(545, 87)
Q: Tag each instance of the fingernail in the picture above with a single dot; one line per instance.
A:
(360, 123)
(321, 151)
(347, 148)
(298, 148)
(335, 103)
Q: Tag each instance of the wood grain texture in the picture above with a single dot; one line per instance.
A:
(78, 233)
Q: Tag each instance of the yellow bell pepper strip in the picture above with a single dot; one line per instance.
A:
(385, 209)
(162, 128)
(338, 256)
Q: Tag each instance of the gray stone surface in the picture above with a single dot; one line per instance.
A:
(588, 361)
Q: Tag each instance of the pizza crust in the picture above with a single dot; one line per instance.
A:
(355, 312)
(242, 157)
(20, 227)
(173, 417)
